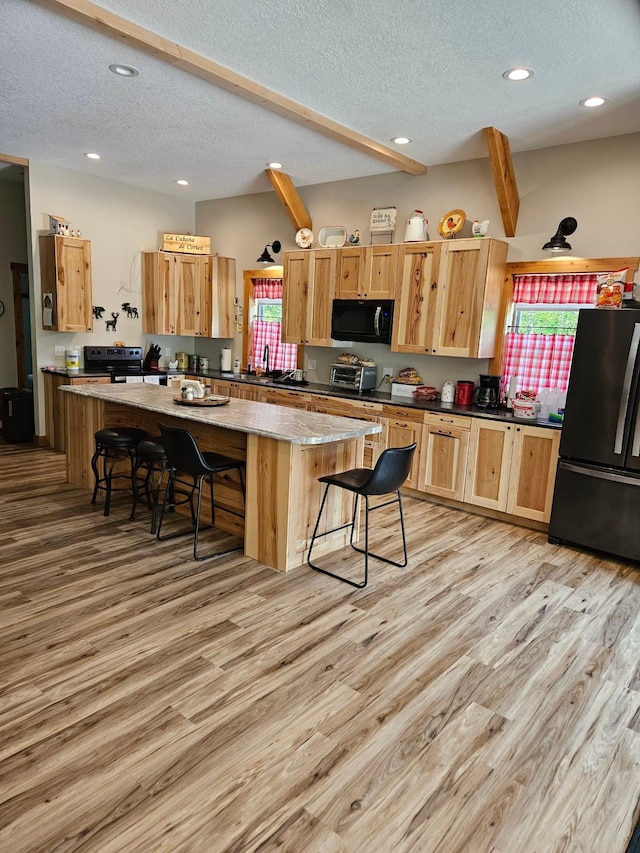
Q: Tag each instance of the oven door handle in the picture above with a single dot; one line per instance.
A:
(376, 320)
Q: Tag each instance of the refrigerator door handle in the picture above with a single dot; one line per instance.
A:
(635, 447)
(599, 475)
(626, 388)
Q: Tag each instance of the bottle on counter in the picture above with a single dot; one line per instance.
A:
(236, 366)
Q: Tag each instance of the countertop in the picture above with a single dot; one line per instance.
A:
(277, 422)
(374, 396)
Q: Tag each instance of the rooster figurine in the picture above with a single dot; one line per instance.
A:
(355, 237)
(479, 229)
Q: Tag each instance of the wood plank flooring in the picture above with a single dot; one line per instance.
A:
(485, 699)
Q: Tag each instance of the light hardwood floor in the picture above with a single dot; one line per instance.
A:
(486, 698)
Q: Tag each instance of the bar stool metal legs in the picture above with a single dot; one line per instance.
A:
(113, 444)
(390, 472)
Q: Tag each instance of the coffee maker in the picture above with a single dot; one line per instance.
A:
(487, 394)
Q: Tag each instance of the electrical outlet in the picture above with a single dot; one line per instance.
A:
(312, 364)
(387, 371)
(167, 351)
(59, 350)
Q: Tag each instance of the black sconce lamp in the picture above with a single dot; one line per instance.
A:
(558, 242)
(265, 257)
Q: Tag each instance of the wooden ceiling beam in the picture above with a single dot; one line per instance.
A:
(102, 21)
(288, 195)
(504, 178)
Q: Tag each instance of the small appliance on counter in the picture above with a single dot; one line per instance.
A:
(464, 392)
(353, 377)
(487, 394)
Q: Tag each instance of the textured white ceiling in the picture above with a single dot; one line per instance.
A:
(426, 69)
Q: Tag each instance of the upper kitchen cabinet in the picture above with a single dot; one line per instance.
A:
(449, 296)
(470, 284)
(308, 290)
(189, 295)
(367, 272)
(416, 293)
(65, 273)
(220, 274)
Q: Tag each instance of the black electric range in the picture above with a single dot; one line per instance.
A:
(123, 364)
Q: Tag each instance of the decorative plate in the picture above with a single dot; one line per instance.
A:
(332, 237)
(213, 400)
(304, 238)
(451, 223)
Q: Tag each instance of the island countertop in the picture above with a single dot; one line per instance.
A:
(277, 422)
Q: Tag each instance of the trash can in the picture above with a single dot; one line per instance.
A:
(16, 414)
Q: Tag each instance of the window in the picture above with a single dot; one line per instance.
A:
(539, 343)
(266, 328)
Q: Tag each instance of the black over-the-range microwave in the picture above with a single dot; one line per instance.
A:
(363, 320)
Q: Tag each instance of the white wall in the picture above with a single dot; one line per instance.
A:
(121, 221)
(596, 182)
(13, 249)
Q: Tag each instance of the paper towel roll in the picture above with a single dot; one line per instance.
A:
(225, 360)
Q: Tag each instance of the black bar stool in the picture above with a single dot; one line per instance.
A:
(185, 457)
(151, 462)
(112, 445)
(392, 469)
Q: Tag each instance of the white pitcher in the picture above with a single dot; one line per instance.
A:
(416, 228)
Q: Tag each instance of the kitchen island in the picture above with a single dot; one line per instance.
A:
(285, 451)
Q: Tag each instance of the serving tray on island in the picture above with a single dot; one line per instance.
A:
(213, 400)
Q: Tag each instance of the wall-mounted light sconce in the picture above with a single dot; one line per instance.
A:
(265, 257)
(558, 242)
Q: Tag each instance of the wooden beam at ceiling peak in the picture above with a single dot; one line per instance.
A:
(107, 23)
(288, 195)
(503, 177)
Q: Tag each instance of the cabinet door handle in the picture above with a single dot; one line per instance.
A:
(442, 432)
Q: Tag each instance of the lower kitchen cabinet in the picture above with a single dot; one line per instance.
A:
(511, 468)
(404, 427)
(374, 443)
(280, 397)
(443, 456)
(533, 472)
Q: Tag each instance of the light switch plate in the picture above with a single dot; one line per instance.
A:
(59, 350)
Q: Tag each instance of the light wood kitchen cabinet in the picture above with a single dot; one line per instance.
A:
(533, 472)
(189, 295)
(367, 272)
(65, 275)
(470, 284)
(308, 290)
(281, 397)
(449, 295)
(443, 455)
(414, 315)
(239, 390)
(404, 427)
(374, 443)
(512, 468)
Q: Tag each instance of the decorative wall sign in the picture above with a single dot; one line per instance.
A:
(187, 244)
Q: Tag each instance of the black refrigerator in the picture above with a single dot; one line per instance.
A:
(596, 501)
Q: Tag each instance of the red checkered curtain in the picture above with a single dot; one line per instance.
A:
(564, 289)
(539, 361)
(267, 288)
(281, 356)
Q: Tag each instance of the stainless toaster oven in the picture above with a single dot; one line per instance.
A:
(353, 377)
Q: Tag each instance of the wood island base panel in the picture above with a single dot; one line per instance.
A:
(285, 451)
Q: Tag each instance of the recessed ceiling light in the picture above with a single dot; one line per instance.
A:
(93, 156)
(182, 182)
(274, 165)
(595, 101)
(518, 74)
(401, 140)
(124, 70)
